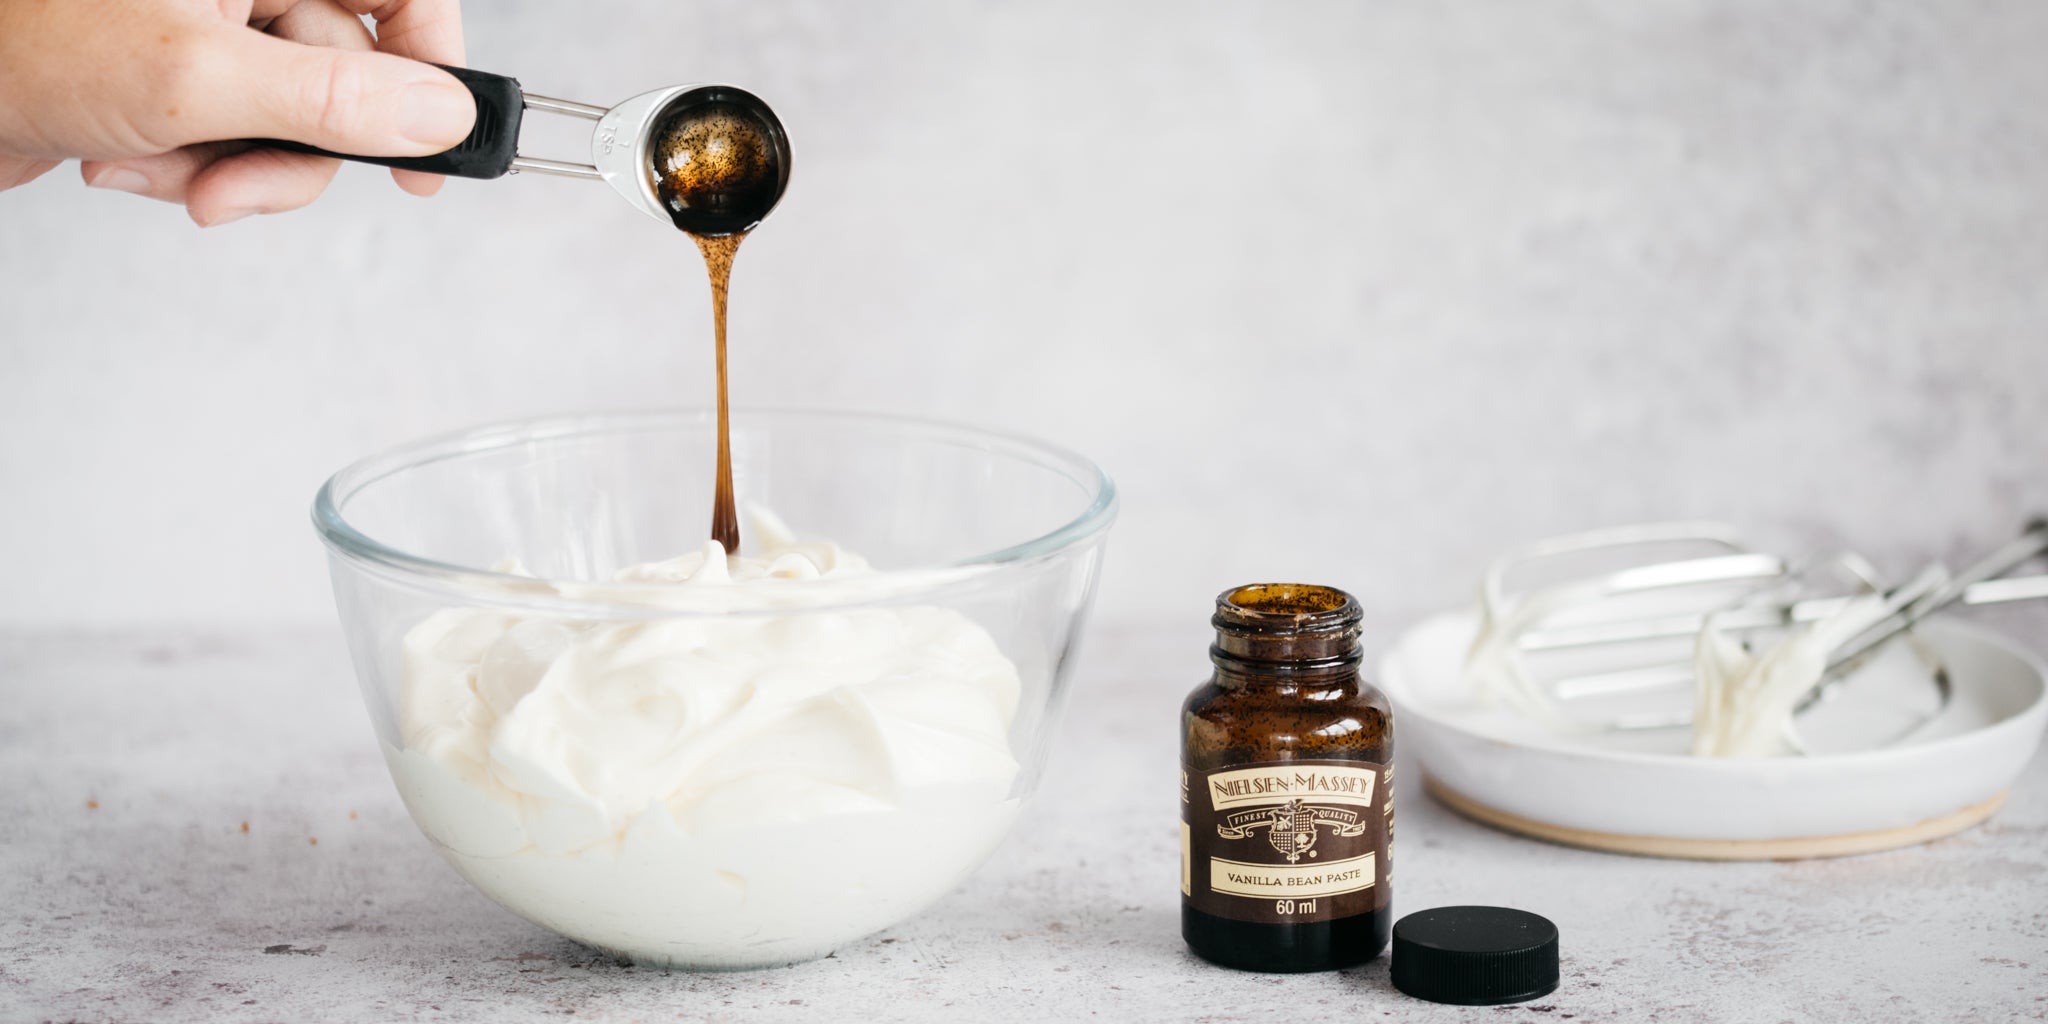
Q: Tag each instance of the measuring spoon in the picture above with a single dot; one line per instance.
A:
(711, 159)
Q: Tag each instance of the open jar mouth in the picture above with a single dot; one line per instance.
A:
(1303, 625)
(1286, 608)
(602, 599)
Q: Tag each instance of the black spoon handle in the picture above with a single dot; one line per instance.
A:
(487, 152)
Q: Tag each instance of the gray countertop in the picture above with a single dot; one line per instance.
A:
(132, 760)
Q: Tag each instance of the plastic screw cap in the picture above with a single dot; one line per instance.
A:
(1475, 956)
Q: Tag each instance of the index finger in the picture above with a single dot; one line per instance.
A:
(429, 30)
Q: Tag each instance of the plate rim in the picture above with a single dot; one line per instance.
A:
(2033, 716)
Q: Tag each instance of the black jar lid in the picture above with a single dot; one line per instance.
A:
(1475, 956)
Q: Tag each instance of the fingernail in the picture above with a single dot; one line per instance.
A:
(121, 179)
(435, 113)
(227, 217)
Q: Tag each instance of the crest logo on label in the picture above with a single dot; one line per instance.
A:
(1291, 826)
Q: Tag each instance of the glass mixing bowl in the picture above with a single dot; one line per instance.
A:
(715, 774)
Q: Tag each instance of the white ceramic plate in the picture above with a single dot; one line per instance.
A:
(1641, 793)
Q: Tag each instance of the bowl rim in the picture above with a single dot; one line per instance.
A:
(641, 599)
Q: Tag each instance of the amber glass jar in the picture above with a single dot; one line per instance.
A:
(1287, 778)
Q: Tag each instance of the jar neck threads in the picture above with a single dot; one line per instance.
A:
(1286, 627)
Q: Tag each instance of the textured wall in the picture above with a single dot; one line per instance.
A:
(1353, 292)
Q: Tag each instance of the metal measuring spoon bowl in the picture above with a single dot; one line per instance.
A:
(711, 159)
(720, 160)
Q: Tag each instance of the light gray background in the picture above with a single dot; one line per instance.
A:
(1357, 293)
(1352, 292)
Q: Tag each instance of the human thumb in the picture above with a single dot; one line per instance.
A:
(360, 103)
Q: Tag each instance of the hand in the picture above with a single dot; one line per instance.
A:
(143, 91)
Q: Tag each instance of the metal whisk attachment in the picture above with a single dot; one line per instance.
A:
(1603, 630)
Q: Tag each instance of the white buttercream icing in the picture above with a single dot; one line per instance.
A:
(712, 789)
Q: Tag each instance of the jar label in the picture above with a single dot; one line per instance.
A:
(1286, 841)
